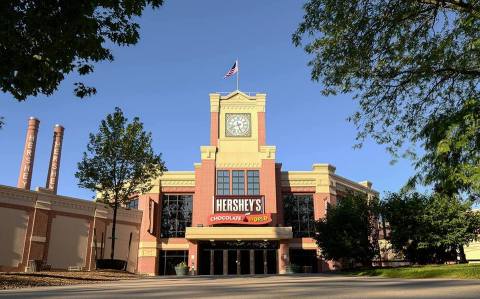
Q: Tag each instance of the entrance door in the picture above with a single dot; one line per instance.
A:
(238, 258)
(272, 262)
(259, 262)
(244, 261)
(218, 262)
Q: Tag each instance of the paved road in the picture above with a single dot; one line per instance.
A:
(312, 286)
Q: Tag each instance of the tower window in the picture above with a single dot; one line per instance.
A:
(238, 182)
(253, 179)
(223, 182)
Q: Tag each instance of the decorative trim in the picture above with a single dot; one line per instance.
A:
(147, 252)
(39, 239)
(240, 165)
(208, 152)
(17, 196)
(353, 185)
(186, 189)
(268, 151)
(238, 233)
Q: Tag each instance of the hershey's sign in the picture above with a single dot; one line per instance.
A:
(239, 204)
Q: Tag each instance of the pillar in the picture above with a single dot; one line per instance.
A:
(214, 115)
(193, 257)
(54, 166)
(40, 234)
(26, 168)
(252, 261)
(225, 261)
(283, 256)
(261, 101)
(268, 187)
(150, 204)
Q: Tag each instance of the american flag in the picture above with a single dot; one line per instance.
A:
(232, 71)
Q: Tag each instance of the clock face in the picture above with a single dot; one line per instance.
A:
(237, 125)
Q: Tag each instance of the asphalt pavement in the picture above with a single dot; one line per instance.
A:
(279, 286)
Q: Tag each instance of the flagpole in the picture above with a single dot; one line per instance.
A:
(238, 71)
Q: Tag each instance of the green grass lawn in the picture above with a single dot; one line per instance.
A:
(463, 271)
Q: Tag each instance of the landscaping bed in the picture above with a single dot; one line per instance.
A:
(11, 280)
(457, 271)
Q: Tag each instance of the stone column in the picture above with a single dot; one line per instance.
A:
(283, 256)
(54, 166)
(148, 253)
(193, 257)
(26, 168)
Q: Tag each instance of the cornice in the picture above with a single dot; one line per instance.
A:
(177, 178)
(353, 185)
(12, 195)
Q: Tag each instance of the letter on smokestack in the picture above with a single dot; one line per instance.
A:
(54, 167)
(26, 168)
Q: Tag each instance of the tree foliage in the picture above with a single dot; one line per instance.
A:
(452, 159)
(412, 65)
(347, 233)
(43, 40)
(119, 162)
(429, 228)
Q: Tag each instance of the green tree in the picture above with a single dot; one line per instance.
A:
(429, 228)
(348, 232)
(41, 41)
(412, 66)
(452, 159)
(119, 163)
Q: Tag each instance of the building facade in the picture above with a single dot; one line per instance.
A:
(237, 211)
(42, 230)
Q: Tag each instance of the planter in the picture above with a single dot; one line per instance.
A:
(307, 269)
(181, 270)
(111, 264)
(290, 269)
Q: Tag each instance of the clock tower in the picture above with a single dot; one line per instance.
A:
(237, 144)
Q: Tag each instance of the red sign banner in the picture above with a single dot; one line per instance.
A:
(230, 218)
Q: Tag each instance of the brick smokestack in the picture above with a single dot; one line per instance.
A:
(54, 166)
(26, 168)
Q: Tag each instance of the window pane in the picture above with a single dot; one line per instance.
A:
(299, 214)
(238, 182)
(223, 182)
(133, 204)
(253, 182)
(176, 215)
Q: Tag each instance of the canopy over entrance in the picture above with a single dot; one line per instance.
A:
(238, 233)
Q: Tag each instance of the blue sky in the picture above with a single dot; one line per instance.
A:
(184, 51)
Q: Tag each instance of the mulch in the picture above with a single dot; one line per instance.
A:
(13, 280)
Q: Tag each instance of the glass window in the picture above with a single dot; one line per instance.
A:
(176, 215)
(238, 182)
(253, 179)
(299, 214)
(223, 182)
(133, 204)
(169, 259)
